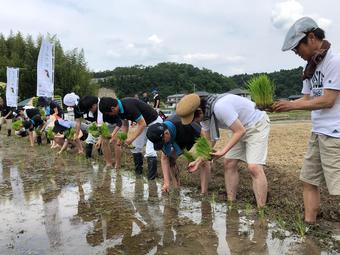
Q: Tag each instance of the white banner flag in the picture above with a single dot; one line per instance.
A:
(45, 70)
(12, 86)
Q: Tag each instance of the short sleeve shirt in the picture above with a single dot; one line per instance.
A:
(156, 101)
(326, 76)
(135, 109)
(186, 135)
(230, 108)
(32, 112)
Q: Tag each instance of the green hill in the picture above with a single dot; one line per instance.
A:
(173, 78)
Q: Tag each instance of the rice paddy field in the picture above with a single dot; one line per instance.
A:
(66, 204)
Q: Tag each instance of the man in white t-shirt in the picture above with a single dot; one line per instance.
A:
(321, 86)
(248, 142)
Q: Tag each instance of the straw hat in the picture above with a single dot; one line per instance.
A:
(186, 108)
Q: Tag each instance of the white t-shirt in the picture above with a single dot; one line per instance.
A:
(326, 76)
(230, 108)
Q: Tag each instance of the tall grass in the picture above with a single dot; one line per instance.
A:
(262, 90)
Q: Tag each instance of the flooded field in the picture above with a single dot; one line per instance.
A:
(67, 205)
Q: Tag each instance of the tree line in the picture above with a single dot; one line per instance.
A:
(173, 78)
(71, 71)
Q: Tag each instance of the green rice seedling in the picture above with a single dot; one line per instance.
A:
(203, 148)
(122, 136)
(262, 90)
(69, 133)
(300, 226)
(38, 131)
(105, 131)
(16, 125)
(50, 134)
(93, 130)
(35, 101)
(280, 222)
(248, 209)
(188, 155)
(261, 212)
(231, 205)
(42, 113)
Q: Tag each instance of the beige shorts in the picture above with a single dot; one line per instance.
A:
(8, 122)
(322, 162)
(253, 146)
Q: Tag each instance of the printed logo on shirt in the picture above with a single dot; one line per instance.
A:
(317, 84)
(335, 131)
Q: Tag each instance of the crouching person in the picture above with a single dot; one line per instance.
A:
(65, 135)
(172, 137)
(248, 142)
(35, 123)
(132, 109)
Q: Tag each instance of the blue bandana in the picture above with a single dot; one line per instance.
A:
(171, 146)
(121, 108)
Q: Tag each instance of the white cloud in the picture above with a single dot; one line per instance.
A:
(155, 39)
(285, 13)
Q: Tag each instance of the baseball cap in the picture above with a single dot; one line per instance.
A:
(297, 32)
(155, 135)
(186, 108)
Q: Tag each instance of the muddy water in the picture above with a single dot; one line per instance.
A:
(51, 205)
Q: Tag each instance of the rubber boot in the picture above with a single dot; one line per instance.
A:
(88, 150)
(152, 168)
(138, 160)
(9, 132)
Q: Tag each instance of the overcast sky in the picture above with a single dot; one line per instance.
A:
(229, 37)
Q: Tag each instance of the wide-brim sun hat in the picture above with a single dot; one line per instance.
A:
(297, 32)
(71, 99)
(186, 108)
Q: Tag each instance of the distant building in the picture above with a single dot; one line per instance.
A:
(172, 100)
(240, 92)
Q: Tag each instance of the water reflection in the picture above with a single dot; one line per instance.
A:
(244, 236)
(63, 206)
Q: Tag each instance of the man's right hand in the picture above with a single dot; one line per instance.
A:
(166, 188)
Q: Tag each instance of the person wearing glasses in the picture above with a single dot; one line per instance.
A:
(321, 85)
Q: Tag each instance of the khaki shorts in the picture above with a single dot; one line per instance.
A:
(253, 146)
(8, 122)
(322, 162)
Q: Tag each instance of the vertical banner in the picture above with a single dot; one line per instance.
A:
(12, 86)
(45, 70)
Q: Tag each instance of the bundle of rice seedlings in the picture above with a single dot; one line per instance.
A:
(189, 155)
(93, 130)
(105, 131)
(16, 125)
(203, 148)
(38, 131)
(262, 90)
(50, 134)
(35, 101)
(122, 136)
(69, 133)
(42, 113)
